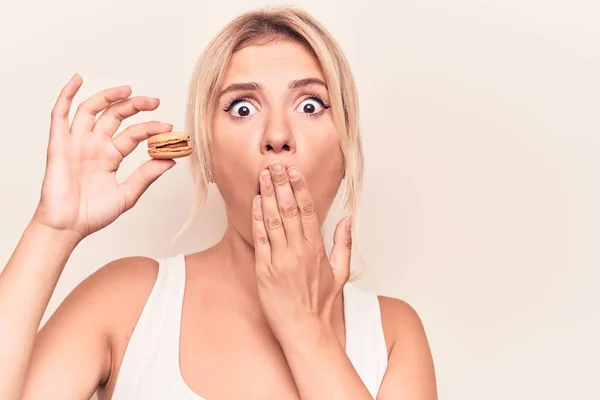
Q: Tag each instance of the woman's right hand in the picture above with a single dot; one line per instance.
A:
(80, 192)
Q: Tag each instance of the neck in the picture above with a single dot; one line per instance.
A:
(236, 257)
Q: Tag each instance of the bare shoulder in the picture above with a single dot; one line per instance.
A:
(113, 291)
(114, 287)
(400, 321)
(123, 278)
(113, 294)
(78, 342)
(410, 373)
(123, 286)
(120, 289)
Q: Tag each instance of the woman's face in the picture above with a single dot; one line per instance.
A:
(273, 105)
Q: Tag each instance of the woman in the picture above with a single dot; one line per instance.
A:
(262, 314)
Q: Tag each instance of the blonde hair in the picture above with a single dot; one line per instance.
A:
(260, 27)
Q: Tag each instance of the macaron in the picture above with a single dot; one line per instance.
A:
(169, 145)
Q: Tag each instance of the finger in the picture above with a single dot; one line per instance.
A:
(111, 118)
(341, 251)
(262, 247)
(306, 206)
(139, 181)
(59, 118)
(271, 217)
(286, 203)
(131, 137)
(85, 116)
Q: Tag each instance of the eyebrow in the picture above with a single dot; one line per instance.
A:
(250, 86)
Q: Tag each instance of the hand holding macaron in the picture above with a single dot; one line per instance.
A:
(80, 192)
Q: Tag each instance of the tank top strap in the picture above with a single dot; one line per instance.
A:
(176, 268)
(155, 337)
(365, 341)
(173, 269)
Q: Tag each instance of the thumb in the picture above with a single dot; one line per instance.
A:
(340, 253)
(139, 181)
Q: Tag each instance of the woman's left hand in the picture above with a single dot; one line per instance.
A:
(297, 283)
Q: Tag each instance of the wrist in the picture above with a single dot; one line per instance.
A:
(309, 329)
(61, 238)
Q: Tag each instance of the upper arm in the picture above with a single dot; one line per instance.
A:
(410, 373)
(71, 356)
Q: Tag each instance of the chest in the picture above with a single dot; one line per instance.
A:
(231, 358)
(228, 351)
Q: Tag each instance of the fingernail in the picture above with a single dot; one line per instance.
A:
(293, 173)
(348, 223)
(266, 177)
(257, 203)
(277, 167)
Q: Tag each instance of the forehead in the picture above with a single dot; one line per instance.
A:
(272, 62)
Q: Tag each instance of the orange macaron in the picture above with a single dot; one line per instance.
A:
(168, 145)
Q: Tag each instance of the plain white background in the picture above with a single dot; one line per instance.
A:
(480, 122)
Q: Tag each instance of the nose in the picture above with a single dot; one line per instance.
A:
(277, 137)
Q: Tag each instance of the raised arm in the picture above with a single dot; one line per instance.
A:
(79, 196)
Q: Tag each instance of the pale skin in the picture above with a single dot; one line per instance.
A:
(260, 306)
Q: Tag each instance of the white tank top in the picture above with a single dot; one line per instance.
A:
(150, 366)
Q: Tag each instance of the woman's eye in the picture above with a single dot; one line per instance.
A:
(310, 106)
(242, 109)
